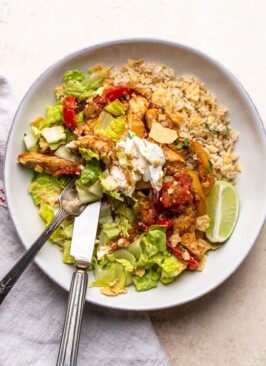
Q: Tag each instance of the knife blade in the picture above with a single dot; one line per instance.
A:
(82, 245)
(84, 232)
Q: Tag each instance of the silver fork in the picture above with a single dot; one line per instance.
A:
(69, 205)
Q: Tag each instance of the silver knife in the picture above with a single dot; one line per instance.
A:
(82, 245)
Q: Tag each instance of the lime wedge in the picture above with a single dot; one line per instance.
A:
(223, 209)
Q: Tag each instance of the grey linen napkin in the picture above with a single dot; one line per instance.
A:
(32, 315)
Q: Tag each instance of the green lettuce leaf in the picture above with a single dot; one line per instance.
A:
(88, 185)
(90, 193)
(46, 187)
(108, 232)
(144, 261)
(74, 75)
(153, 242)
(88, 154)
(53, 116)
(67, 257)
(171, 266)
(31, 139)
(124, 218)
(90, 173)
(116, 108)
(108, 186)
(147, 281)
(65, 153)
(109, 126)
(135, 247)
(63, 233)
(84, 88)
(105, 214)
(53, 134)
(107, 275)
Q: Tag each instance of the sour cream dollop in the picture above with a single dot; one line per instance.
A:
(146, 160)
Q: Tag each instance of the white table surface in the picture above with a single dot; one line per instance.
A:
(228, 326)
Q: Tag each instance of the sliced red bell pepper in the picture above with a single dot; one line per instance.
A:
(117, 92)
(113, 93)
(191, 262)
(69, 105)
(167, 223)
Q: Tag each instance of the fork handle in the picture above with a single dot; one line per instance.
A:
(68, 351)
(13, 275)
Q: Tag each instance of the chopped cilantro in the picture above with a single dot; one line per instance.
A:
(131, 135)
(227, 132)
(210, 169)
(182, 144)
(215, 132)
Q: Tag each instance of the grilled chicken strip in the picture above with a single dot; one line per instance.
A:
(171, 156)
(99, 144)
(138, 106)
(85, 128)
(49, 164)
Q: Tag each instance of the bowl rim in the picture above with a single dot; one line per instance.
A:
(118, 42)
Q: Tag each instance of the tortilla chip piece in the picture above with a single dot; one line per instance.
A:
(113, 289)
(162, 134)
(202, 263)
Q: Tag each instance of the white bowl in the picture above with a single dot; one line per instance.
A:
(251, 183)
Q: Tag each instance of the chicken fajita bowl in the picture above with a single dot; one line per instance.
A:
(156, 145)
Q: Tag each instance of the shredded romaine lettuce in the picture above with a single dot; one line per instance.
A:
(108, 232)
(53, 134)
(88, 185)
(67, 257)
(109, 186)
(110, 126)
(153, 242)
(88, 154)
(105, 214)
(147, 281)
(82, 88)
(88, 194)
(90, 173)
(74, 75)
(31, 139)
(45, 188)
(106, 276)
(62, 235)
(65, 153)
(171, 266)
(116, 108)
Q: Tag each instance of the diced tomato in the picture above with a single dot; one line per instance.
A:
(69, 105)
(113, 93)
(148, 216)
(192, 264)
(177, 192)
(100, 101)
(68, 170)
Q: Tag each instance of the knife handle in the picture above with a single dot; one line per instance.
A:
(68, 350)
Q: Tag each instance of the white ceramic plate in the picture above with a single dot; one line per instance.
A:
(251, 183)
